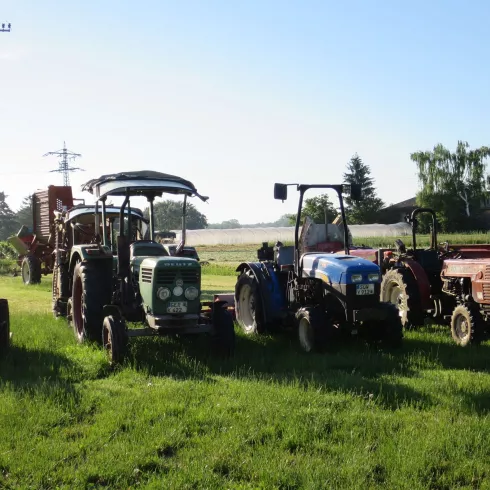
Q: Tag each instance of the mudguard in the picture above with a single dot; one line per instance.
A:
(271, 293)
(422, 282)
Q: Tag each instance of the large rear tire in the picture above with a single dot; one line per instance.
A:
(248, 304)
(4, 324)
(399, 287)
(31, 270)
(92, 290)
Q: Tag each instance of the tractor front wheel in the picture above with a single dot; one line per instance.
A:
(92, 290)
(4, 324)
(400, 288)
(466, 325)
(114, 339)
(31, 270)
(388, 331)
(248, 304)
(224, 332)
(314, 329)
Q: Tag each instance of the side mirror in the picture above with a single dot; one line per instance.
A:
(280, 192)
(356, 192)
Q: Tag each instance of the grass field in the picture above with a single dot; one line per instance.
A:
(271, 418)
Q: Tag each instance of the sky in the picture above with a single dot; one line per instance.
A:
(237, 95)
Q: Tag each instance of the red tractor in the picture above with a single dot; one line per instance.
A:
(35, 247)
(412, 276)
(467, 281)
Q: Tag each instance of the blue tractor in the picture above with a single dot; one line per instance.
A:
(322, 295)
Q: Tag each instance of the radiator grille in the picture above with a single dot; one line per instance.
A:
(146, 274)
(169, 276)
(486, 291)
(487, 273)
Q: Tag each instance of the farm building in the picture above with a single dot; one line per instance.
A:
(238, 236)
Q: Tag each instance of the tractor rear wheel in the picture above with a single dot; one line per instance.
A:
(400, 288)
(314, 329)
(4, 324)
(466, 325)
(248, 304)
(114, 339)
(31, 270)
(224, 337)
(92, 290)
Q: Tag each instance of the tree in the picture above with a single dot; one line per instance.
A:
(225, 225)
(455, 181)
(24, 214)
(315, 208)
(365, 211)
(168, 216)
(8, 224)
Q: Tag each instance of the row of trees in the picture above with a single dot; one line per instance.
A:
(455, 184)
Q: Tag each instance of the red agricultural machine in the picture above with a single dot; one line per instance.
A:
(35, 247)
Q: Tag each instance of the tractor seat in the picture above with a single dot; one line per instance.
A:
(284, 255)
(147, 248)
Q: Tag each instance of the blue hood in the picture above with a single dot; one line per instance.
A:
(338, 269)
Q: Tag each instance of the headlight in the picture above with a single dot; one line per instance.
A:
(356, 277)
(373, 277)
(178, 291)
(163, 293)
(191, 293)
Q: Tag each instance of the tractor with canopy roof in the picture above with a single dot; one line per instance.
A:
(150, 287)
(76, 234)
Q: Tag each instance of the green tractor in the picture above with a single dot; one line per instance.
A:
(146, 285)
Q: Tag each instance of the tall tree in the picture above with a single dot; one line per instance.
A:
(24, 214)
(168, 216)
(365, 211)
(453, 180)
(8, 224)
(315, 208)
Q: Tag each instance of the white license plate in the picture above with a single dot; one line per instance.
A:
(177, 307)
(363, 289)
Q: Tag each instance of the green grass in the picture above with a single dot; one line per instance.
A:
(272, 417)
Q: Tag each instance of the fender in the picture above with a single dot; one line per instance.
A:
(271, 293)
(422, 282)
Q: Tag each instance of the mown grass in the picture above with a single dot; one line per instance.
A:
(271, 417)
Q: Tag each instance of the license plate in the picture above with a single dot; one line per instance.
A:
(177, 307)
(363, 289)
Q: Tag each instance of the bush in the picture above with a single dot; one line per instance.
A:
(7, 251)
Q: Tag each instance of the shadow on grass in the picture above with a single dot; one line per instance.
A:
(37, 372)
(349, 367)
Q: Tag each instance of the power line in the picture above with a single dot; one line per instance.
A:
(63, 165)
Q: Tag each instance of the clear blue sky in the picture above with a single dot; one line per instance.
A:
(237, 95)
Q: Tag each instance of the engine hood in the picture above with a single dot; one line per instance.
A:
(332, 268)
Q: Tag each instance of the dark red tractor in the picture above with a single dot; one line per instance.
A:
(412, 276)
(35, 246)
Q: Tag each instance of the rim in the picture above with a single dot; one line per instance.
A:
(246, 308)
(395, 297)
(25, 272)
(77, 307)
(305, 334)
(107, 339)
(461, 327)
